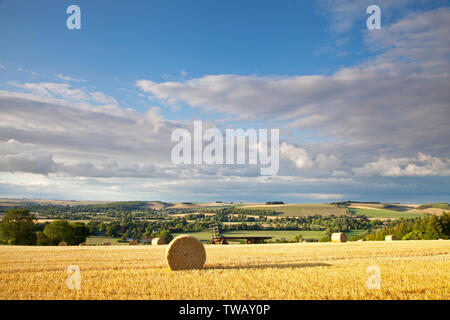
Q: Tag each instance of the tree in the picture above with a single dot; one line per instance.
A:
(445, 221)
(80, 232)
(59, 231)
(41, 239)
(413, 235)
(166, 235)
(298, 238)
(112, 230)
(18, 227)
(125, 236)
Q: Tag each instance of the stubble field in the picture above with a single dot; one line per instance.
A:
(408, 270)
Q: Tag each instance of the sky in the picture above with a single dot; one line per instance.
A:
(88, 114)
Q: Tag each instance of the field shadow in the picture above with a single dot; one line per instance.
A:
(397, 208)
(270, 265)
(277, 213)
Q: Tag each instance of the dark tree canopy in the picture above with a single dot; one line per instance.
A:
(71, 233)
(18, 227)
(166, 235)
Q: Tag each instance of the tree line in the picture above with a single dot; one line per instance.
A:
(427, 228)
(20, 227)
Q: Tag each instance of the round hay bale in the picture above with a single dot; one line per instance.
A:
(390, 238)
(157, 241)
(107, 243)
(338, 237)
(82, 244)
(62, 244)
(133, 243)
(185, 252)
(361, 240)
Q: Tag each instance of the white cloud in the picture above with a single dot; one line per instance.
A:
(302, 159)
(80, 132)
(322, 196)
(18, 157)
(29, 158)
(65, 91)
(32, 73)
(100, 97)
(297, 155)
(152, 119)
(49, 89)
(68, 78)
(402, 92)
(420, 165)
(340, 173)
(327, 162)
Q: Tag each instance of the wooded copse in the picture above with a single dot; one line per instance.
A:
(19, 227)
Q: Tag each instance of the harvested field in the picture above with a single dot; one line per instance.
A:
(409, 270)
(301, 210)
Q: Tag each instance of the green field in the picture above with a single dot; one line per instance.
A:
(203, 235)
(355, 233)
(391, 214)
(277, 234)
(301, 210)
(206, 235)
(221, 207)
(98, 240)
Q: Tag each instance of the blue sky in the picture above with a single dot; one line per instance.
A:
(159, 40)
(352, 115)
(124, 41)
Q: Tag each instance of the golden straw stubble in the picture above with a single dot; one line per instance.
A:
(185, 252)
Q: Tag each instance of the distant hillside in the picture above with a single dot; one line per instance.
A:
(349, 202)
(441, 205)
(5, 202)
(98, 206)
(157, 205)
(394, 210)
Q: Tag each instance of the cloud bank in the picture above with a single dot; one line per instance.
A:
(378, 128)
